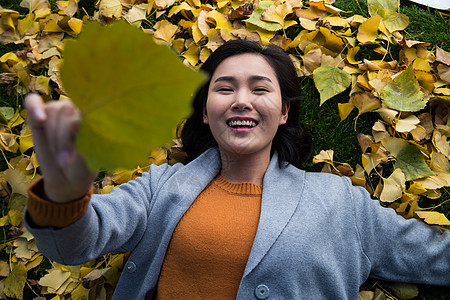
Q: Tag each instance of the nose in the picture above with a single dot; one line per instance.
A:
(242, 101)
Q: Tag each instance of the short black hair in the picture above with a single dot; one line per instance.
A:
(292, 143)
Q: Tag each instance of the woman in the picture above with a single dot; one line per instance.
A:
(240, 220)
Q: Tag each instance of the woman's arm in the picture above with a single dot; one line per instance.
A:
(54, 126)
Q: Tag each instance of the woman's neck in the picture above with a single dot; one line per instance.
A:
(239, 168)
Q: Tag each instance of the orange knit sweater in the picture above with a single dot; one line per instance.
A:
(210, 246)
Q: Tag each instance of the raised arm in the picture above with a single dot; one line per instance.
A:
(54, 126)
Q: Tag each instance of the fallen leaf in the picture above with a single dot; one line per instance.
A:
(134, 108)
(368, 31)
(433, 217)
(15, 282)
(407, 124)
(330, 81)
(408, 158)
(256, 17)
(364, 102)
(393, 186)
(442, 56)
(110, 8)
(324, 156)
(54, 279)
(403, 92)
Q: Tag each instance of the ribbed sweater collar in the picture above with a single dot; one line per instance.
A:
(243, 188)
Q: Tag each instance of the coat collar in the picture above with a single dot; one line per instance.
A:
(279, 202)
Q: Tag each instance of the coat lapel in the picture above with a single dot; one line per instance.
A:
(279, 202)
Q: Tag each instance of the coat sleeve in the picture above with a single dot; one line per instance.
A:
(113, 222)
(399, 249)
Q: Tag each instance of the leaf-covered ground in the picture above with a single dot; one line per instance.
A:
(376, 86)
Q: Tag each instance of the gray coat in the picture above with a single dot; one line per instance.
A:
(318, 236)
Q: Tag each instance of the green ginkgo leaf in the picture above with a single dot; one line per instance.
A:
(393, 20)
(15, 282)
(374, 5)
(403, 92)
(408, 158)
(256, 19)
(132, 93)
(330, 81)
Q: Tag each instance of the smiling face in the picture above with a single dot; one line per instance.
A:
(244, 106)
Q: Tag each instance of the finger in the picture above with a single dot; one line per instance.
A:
(36, 109)
(69, 122)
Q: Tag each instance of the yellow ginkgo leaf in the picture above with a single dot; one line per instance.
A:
(33, 5)
(278, 15)
(393, 186)
(307, 23)
(136, 14)
(351, 55)
(407, 124)
(110, 8)
(324, 156)
(364, 102)
(344, 110)
(164, 31)
(76, 25)
(69, 7)
(368, 31)
(433, 217)
(192, 54)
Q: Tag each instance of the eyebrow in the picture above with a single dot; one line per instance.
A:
(252, 78)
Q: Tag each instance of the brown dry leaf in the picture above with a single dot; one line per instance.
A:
(441, 143)
(370, 161)
(444, 72)
(442, 56)
(365, 141)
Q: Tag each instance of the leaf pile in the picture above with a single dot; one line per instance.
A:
(405, 159)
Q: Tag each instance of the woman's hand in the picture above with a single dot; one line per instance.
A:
(54, 126)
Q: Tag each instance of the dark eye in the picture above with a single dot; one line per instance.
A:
(225, 90)
(260, 90)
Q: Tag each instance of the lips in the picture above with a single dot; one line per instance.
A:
(240, 122)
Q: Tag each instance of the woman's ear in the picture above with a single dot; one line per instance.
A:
(205, 115)
(284, 113)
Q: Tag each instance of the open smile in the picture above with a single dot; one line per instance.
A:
(242, 124)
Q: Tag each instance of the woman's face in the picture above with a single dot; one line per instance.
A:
(244, 107)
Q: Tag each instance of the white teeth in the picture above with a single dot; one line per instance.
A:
(248, 123)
